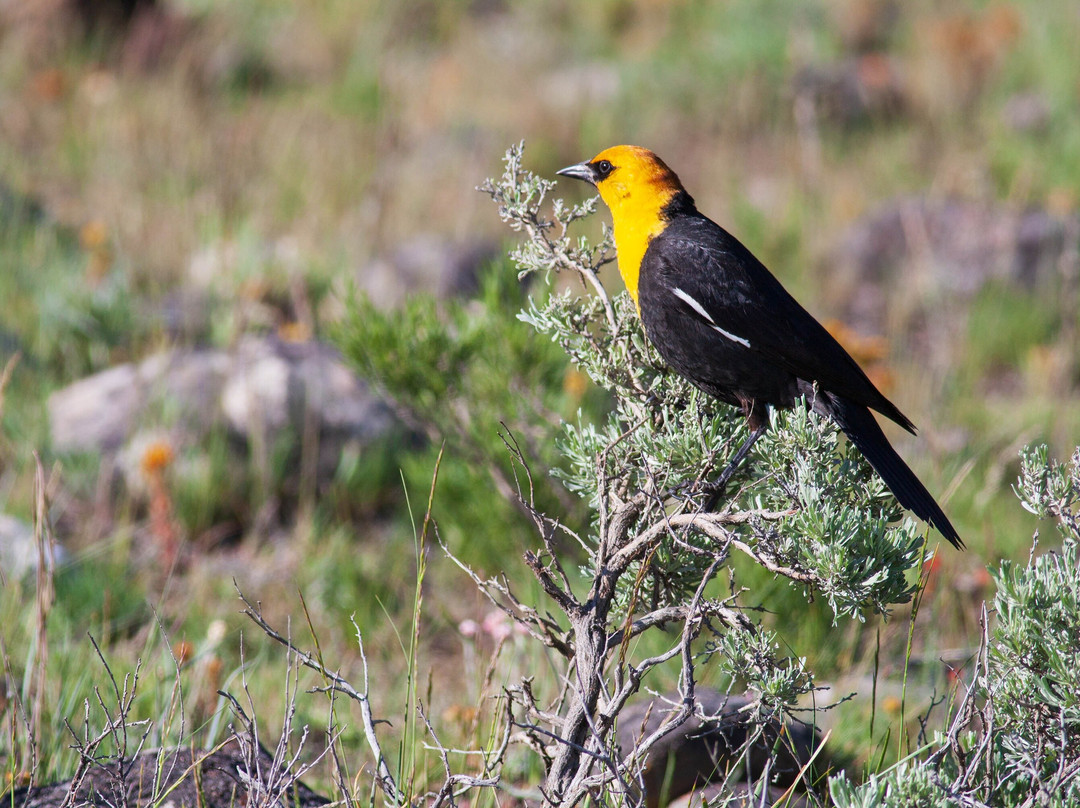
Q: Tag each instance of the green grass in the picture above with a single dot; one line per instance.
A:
(344, 129)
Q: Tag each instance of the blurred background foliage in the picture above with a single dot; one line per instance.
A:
(182, 175)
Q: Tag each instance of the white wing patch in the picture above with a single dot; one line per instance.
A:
(689, 301)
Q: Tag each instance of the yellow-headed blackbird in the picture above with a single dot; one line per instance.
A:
(722, 321)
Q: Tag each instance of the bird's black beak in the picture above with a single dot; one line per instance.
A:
(581, 171)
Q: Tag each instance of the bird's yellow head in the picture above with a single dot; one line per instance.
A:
(638, 187)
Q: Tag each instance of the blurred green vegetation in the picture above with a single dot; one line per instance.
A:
(482, 385)
(297, 142)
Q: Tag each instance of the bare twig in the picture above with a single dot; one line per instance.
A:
(337, 683)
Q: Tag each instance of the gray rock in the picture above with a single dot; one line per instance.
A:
(18, 548)
(99, 413)
(95, 413)
(708, 746)
(277, 385)
(255, 398)
(304, 388)
(178, 777)
(263, 390)
(427, 263)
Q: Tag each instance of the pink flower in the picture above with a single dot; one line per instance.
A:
(468, 628)
(497, 626)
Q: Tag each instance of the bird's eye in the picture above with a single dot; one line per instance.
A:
(603, 168)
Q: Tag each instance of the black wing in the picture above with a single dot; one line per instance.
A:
(722, 285)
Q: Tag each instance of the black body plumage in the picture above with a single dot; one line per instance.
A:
(724, 322)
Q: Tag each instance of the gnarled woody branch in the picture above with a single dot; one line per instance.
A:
(576, 744)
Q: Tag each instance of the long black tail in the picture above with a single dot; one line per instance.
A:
(859, 424)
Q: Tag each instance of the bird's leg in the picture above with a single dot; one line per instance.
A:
(757, 418)
(716, 487)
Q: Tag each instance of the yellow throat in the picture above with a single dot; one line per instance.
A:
(636, 191)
